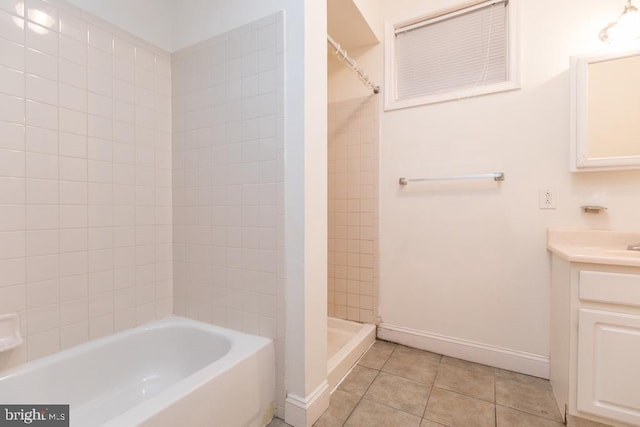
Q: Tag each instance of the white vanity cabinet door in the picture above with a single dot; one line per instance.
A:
(609, 365)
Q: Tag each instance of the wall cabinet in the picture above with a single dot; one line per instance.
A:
(595, 341)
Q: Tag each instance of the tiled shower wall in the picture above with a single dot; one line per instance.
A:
(353, 209)
(85, 177)
(228, 182)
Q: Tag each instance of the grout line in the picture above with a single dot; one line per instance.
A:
(59, 204)
(495, 399)
(365, 392)
(24, 191)
(433, 386)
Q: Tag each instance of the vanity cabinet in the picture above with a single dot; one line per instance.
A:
(608, 364)
(595, 340)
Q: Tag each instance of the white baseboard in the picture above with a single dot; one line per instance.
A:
(499, 357)
(303, 412)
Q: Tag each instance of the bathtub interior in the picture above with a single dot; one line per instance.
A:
(132, 367)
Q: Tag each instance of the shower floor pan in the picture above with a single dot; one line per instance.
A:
(346, 343)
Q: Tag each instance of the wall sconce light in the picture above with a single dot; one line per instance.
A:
(626, 27)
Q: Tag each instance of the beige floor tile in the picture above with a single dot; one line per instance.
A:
(340, 407)
(508, 417)
(399, 393)
(429, 423)
(277, 422)
(372, 414)
(456, 410)
(358, 380)
(527, 394)
(459, 363)
(468, 380)
(377, 355)
(416, 365)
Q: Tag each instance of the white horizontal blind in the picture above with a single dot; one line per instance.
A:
(465, 50)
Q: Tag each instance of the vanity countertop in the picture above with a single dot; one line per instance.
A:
(594, 246)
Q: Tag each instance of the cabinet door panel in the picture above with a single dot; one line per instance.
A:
(609, 365)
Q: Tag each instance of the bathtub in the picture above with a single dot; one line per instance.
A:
(173, 372)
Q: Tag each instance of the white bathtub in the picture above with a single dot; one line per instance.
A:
(173, 372)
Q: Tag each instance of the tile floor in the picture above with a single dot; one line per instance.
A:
(398, 386)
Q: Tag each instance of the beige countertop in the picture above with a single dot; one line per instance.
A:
(594, 246)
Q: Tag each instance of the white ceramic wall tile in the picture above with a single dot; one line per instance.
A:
(12, 81)
(13, 299)
(73, 263)
(228, 162)
(124, 50)
(13, 136)
(72, 74)
(73, 287)
(43, 344)
(42, 319)
(43, 166)
(100, 39)
(41, 38)
(73, 50)
(73, 240)
(12, 245)
(42, 115)
(42, 13)
(41, 140)
(11, 27)
(70, 211)
(72, 26)
(123, 70)
(74, 334)
(352, 209)
(44, 267)
(124, 319)
(99, 59)
(42, 191)
(12, 218)
(12, 109)
(12, 163)
(11, 54)
(101, 326)
(14, 272)
(100, 82)
(44, 242)
(42, 64)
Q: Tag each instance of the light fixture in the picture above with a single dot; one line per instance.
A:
(626, 27)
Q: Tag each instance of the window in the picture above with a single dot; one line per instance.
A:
(458, 53)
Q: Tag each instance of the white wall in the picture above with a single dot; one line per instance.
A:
(468, 260)
(151, 20)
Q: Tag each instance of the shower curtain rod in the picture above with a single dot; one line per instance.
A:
(352, 64)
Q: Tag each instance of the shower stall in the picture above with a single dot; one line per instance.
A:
(352, 297)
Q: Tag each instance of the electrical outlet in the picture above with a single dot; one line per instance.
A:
(547, 199)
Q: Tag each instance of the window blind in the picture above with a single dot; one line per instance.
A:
(457, 51)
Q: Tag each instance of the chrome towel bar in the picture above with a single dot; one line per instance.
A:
(497, 176)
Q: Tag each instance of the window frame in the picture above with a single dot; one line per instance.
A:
(391, 102)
